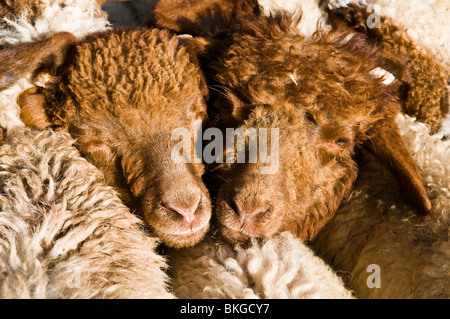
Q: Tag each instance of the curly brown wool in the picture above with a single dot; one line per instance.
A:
(424, 80)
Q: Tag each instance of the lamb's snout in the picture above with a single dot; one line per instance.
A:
(186, 209)
(250, 206)
(179, 209)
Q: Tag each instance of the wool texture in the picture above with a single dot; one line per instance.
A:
(63, 232)
(421, 43)
(40, 19)
(427, 24)
(371, 227)
(426, 20)
(22, 24)
(282, 267)
(312, 15)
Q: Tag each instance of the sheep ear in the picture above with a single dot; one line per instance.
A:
(91, 147)
(387, 145)
(32, 108)
(22, 59)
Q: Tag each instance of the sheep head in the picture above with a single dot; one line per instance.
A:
(323, 96)
(121, 93)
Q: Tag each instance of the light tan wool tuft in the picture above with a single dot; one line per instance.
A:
(64, 233)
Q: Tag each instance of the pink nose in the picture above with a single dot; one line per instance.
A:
(187, 211)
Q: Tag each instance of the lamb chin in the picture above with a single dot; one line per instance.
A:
(185, 238)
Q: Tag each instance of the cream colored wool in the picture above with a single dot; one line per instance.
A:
(63, 232)
(283, 267)
(375, 226)
(309, 10)
(426, 20)
(9, 109)
(312, 14)
(80, 17)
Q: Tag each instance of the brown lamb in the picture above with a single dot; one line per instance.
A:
(121, 94)
(322, 95)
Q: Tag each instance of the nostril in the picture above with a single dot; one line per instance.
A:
(245, 211)
(186, 210)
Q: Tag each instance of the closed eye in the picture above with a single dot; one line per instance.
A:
(342, 141)
(311, 118)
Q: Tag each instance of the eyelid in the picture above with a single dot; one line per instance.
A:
(311, 118)
(342, 141)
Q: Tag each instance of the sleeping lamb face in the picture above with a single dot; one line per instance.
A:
(326, 102)
(121, 94)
